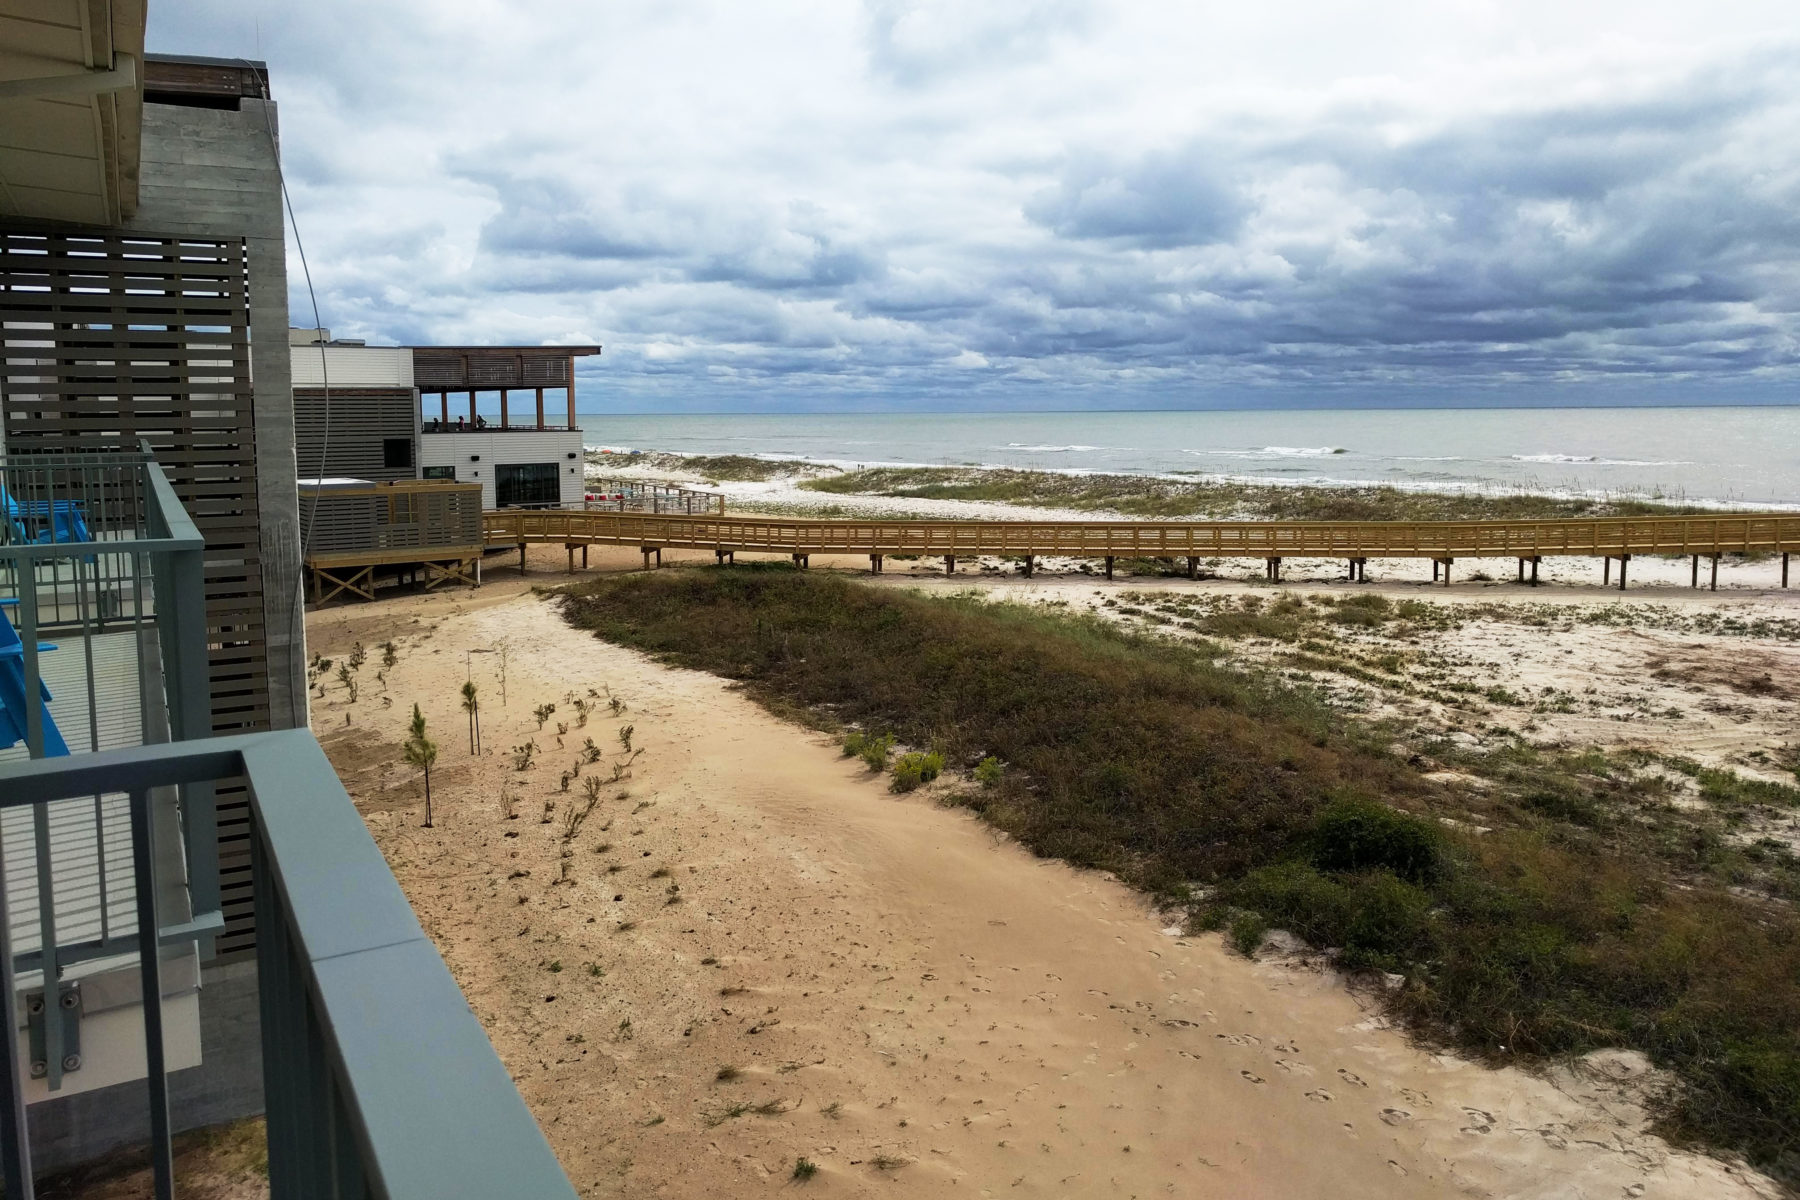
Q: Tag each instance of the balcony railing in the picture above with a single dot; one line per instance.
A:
(103, 647)
(379, 1081)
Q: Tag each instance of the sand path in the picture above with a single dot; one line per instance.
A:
(932, 1012)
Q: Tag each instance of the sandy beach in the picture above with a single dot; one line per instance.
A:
(750, 953)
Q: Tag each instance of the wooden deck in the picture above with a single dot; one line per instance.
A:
(1442, 542)
(417, 525)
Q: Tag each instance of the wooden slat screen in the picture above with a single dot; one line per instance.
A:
(362, 420)
(115, 337)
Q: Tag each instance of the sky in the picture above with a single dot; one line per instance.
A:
(759, 205)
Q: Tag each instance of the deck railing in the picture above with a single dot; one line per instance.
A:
(656, 499)
(378, 1079)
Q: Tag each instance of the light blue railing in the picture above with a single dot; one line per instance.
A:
(379, 1081)
(101, 574)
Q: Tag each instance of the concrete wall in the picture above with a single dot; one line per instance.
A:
(214, 172)
(513, 446)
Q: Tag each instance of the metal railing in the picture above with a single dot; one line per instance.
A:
(97, 553)
(378, 1079)
(637, 496)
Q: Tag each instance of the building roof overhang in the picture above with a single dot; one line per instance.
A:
(71, 109)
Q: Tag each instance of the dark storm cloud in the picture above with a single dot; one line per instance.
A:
(920, 198)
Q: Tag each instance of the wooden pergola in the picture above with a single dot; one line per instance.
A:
(445, 371)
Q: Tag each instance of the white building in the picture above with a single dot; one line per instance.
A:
(500, 416)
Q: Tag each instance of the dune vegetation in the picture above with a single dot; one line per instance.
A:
(1218, 499)
(1548, 913)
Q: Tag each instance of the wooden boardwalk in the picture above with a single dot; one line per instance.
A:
(1441, 542)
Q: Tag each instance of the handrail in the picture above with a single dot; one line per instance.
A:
(1585, 536)
(378, 1078)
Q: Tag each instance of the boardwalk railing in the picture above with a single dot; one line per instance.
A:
(1440, 540)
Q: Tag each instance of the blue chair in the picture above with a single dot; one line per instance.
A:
(12, 693)
(57, 520)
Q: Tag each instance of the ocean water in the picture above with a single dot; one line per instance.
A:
(1736, 456)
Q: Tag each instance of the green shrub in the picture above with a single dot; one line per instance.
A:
(875, 751)
(1561, 805)
(1246, 933)
(1389, 922)
(853, 744)
(916, 768)
(989, 771)
(1295, 896)
(1353, 834)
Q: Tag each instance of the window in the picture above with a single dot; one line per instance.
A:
(397, 453)
(526, 485)
(440, 473)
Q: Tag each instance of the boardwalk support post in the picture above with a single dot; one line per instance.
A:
(1534, 570)
(1030, 563)
(1623, 559)
(1715, 573)
(1784, 567)
(1109, 566)
(521, 558)
(874, 564)
(949, 564)
(1695, 581)
(1193, 566)
(646, 558)
(802, 561)
(1447, 563)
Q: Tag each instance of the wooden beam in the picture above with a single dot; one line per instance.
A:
(540, 400)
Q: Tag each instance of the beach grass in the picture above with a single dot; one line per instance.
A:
(1216, 499)
(1512, 929)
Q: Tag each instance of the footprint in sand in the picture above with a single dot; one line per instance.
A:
(1395, 1116)
(1321, 1095)
(1417, 1099)
(1396, 1168)
(1479, 1122)
(1250, 1077)
(1239, 1039)
(1351, 1077)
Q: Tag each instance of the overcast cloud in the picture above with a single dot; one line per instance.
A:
(1052, 203)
